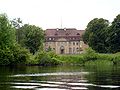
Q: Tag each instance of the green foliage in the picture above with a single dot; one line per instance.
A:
(99, 36)
(10, 52)
(90, 55)
(71, 59)
(7, 40)
(113, 39)
(14, 56)
(116, 60)
(108, 58)
(96, 34)
(49, 49)
(7, 33)
(47, 58)
(5, 56)
(20, 55)
(102, 37)
(31, 37)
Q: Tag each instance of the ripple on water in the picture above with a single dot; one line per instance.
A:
(36, 84)
(66, 83)
(79, 88)
(81, 84)
(24, 87)
(53, 85)
(50, 89)
(108, 86)
(50, 74)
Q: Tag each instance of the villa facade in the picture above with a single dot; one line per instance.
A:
(64, 41)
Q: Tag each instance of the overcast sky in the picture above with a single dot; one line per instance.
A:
(51, 13)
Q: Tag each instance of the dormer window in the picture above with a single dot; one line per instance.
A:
(50, 38)
(78, 34)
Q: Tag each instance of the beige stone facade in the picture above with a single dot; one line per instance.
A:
(64, 41)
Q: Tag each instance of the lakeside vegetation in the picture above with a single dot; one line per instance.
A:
(89, 57)
(23, 45)
(103, 36)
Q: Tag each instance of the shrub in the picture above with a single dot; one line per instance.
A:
(21, 55)
(13, 55)
(47, 58)
(90, 55)
(116, 58)
(5, 56)
(71, 59)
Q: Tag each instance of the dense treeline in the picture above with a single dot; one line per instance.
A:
(18, 43)
(22, 44)
(103, 36)
(10, 51)
(28, 36)
(31, 37)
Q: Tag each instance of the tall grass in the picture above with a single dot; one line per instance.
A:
(71, 59)
(90, 57)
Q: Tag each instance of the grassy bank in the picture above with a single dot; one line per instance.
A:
(89, 57)
(42, 58)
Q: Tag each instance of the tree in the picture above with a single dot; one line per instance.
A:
(10, 52)
(17, 24)
(114, 35)
(7, 32)
(7, 40)
(95, 34)
(31, 37)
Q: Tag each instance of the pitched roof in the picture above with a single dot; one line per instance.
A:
(63, 32)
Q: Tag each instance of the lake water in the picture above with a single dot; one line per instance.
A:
(60, 78)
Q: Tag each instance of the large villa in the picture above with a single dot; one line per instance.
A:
(64, 41)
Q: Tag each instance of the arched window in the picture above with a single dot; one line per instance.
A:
(78, 34)
(77, 49)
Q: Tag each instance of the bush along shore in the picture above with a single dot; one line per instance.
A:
(22, 56)
(89, 57)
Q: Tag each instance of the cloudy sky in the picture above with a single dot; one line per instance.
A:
(51, 13)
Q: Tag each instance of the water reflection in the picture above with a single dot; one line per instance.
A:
(50, 74)
(60, 78)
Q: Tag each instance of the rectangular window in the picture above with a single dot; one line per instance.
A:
(58, 43)
(77, 43)
(73, 49)
(70, 50)
(69, 42)
(73, 43)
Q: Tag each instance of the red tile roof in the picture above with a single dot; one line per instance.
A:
(63, 32)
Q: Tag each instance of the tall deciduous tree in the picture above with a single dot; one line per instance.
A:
(31, 37)
(10, 52)
(114, 35)
(95, 34)
(7, 32)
